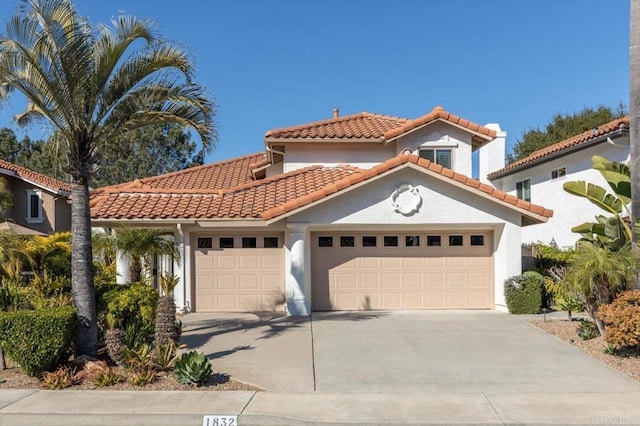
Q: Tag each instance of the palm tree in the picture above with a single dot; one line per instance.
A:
(634, 111)
(597, 275)
(92, 85)
(141, 245)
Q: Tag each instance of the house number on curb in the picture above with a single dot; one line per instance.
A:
(406, 200)
(220, 421)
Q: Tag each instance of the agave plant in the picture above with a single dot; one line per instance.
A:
(193, 368)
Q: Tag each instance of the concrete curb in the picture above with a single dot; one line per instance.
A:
(120, 408)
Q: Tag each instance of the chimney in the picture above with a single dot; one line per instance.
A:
(336, 112)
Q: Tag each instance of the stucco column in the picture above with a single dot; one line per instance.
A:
(123, 274)
(181, 293)
(297, 285)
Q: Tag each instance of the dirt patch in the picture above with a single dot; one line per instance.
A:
(15, 379)
(627, 362)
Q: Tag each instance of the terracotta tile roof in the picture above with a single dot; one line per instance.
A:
(272, 197)
(364, 125)
(371, 126)
(214, 176)
(438, 113)
(48, 182)
(243, 201)
(574, 141)
(471, 184)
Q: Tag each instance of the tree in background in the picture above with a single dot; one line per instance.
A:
(561, 127)
(6, 198)
(93, 85)
(140, 153)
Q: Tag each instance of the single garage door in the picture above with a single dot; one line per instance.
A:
(238, 273)
(414, 270)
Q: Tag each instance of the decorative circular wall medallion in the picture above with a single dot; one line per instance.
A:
(406, 200)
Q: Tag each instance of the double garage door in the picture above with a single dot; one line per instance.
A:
(349, 271)
(238, 273)
(415, 270)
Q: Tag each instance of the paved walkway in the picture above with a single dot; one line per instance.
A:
(71, 408)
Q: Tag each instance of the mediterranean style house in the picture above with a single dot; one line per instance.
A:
(359, 212)
(539, 178)
(40, 203)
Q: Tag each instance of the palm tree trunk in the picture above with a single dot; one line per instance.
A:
(82, 269)
(634, 112)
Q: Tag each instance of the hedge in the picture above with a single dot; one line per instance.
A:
(37, 340)
(524, 293)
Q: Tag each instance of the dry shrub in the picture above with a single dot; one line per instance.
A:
(622, 320)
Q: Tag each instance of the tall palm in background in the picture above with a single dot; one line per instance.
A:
(92, 85)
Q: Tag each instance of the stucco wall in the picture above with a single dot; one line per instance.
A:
(441, 135)
(569, 210)
(18, 212)
(366, 155)
(444, 206)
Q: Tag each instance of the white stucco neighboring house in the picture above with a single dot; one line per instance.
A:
(540, 176)
(365, 211)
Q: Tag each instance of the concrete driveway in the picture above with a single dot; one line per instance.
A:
(400, 352)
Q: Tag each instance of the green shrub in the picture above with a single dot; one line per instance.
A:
(132, 304)
(547, 257)
(37, 340)
(622, 320)
(193, 368)
(524, 293)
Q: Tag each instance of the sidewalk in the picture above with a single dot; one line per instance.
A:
(117, 408)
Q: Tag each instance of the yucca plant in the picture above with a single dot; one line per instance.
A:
(193, 369)
(114, 339)
(168, 329)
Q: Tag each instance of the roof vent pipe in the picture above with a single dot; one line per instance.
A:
(336, 112)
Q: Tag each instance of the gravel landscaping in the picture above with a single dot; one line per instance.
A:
(627, 362)
(15, 379)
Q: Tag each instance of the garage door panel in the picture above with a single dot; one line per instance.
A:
(412, 279)
(249, 282)
(271, 283)
(369, 262)
(369, 281)
(391, 263)
(392, 300)
(238, 279)
(402, 277)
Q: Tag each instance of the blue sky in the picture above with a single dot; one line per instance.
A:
(271, 64)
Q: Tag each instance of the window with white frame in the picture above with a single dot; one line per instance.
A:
(523, 189)
(442, 156)
(558, 173)
(34, 206)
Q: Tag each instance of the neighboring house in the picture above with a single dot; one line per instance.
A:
(40, 202)
(365, 211)
(539, 178)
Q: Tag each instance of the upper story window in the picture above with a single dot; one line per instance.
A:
(34, 206)
(558, 173)
(523, 189)
(440, 156)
